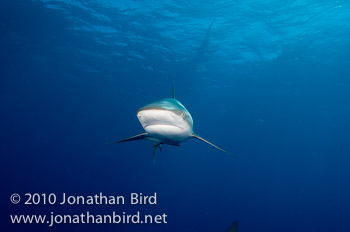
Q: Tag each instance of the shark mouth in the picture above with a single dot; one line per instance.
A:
(161, 125)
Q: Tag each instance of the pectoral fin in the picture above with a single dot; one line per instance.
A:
(135, 137)
(206, 141)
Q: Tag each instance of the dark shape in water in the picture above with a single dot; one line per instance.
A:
(233, 227)
(204, 44)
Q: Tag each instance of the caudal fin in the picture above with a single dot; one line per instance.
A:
(206, 141)
(135, 137)
(155, 146)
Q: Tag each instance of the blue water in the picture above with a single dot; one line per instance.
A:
(268, 82)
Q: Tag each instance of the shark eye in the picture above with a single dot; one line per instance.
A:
(182, 114)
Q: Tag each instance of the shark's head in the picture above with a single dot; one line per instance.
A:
(166, 119)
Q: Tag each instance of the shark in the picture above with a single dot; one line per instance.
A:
(166, 121)
(233, 227)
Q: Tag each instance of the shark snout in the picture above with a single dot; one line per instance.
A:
(163, 117)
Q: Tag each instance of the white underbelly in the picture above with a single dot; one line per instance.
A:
(168, 132)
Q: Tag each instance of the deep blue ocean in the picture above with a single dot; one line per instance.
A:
(269, 81)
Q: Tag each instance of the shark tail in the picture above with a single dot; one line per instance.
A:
(155, 146)
(135, 137)
(211, 24)
(206, 141)
(140, 137)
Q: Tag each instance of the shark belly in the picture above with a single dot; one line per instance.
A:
(165, 126)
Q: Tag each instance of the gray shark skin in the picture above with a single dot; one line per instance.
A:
(166, 121)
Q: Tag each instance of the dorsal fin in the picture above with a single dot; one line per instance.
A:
(173, 96)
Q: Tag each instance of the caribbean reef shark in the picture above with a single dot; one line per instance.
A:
(204, 45)
(166, 121)
(233, 227)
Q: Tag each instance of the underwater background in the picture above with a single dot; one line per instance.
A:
(269, 82)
